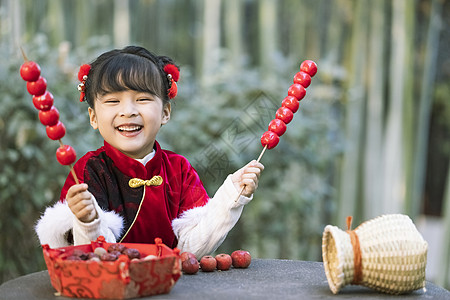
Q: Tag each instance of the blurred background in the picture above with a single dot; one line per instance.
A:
(371, 136)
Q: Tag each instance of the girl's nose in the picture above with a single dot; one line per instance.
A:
(128, 110)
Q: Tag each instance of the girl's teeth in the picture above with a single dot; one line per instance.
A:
(129, 128)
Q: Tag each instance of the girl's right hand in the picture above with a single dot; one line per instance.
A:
(81, 202)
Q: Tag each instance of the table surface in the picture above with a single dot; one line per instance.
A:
(263, 279)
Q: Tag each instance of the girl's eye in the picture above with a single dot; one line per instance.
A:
(112, 101)
(144, 99)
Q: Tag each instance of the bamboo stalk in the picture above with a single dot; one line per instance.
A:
(211, 39)
(374, 121)
(423, 120)
(267, 18)
(121, 23)
(443, 277)
(393, 176)
(409, 111)
(233, 31)
(351, 164)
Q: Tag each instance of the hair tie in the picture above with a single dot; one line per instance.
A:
(173, 74)
(83, 76)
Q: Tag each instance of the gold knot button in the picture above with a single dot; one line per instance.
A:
(136, 182)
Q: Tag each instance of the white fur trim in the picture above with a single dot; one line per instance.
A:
(53, 226)
(113, 221)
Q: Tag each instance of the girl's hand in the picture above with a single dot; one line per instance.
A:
(248, 176)
(80, 202)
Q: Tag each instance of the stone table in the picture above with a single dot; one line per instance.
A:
(264, 279)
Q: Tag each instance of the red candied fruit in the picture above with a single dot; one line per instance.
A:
(270, 139)
(66, 155)
(291, 102)
(284, 114)
(30, 71)
(49, 117)
(277, 126)
(56, 132)
(309, 67)
(297, 90)
(302, 78)
(38, 87)
(44, 101)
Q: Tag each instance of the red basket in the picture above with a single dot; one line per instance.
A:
(120, 279)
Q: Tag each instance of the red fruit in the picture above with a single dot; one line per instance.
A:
(49, 117)
(116, 247)
(57, 131)
(131, 253)
(66, 155)
(185, 255)
(309, 67)
(241, 258)
(291, 102)
(284, 114)
(277, 126)
(297, 90)
(43, 102)
(302, 78)
(190, 266)
(108, 257)
(38, 87)
(208, 263)
(30, 71)
(73, 257)
(224, 261)
(270, 139)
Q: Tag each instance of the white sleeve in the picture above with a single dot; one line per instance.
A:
(202, 230)
(107, 224)
(58, 220)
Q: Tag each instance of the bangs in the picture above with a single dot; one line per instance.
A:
(129, 72)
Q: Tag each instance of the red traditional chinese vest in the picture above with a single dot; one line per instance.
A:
(147, 209)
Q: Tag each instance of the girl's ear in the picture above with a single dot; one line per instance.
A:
(93, 118)
(165, 114)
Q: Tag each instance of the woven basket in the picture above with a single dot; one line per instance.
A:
(393, 255)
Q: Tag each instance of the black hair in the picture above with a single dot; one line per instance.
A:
(131, 68)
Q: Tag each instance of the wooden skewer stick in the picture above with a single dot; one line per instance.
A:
(73, 174)
(72, 171)
(25, 58)
(259, 158)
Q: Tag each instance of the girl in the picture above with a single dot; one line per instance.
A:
(132, 190)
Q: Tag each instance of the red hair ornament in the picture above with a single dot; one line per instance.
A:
(173, 74)
(83, 76)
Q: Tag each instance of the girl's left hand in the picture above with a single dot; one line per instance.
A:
(247, 176)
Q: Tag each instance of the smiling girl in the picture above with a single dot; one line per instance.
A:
(132, 190)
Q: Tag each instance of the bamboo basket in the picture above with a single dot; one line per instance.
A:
(391, 256)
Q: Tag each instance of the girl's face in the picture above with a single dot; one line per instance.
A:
(129, 120)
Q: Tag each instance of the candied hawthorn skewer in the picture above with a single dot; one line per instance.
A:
(289, 106)
(48, 114)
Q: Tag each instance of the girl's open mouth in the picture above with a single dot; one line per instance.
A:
(129, 128)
